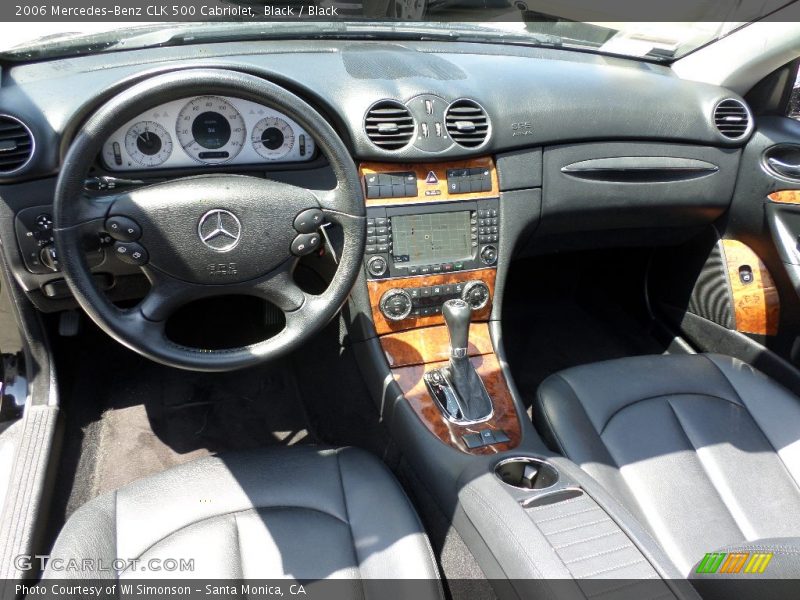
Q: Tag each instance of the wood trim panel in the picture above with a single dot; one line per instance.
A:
(785, 197)
(431, 344)
(505, 415)
(378, 287)
(427, 192)
(756, 304)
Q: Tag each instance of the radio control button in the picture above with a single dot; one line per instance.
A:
(425, 270)
(122, 229)
(309, 220)
(377, 266)
(413, 270)
(489, 255)
(437, 268)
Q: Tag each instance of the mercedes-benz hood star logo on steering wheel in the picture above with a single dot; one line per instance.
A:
(220, 230)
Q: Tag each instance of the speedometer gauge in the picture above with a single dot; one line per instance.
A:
(148, 143)
(272, 138)
(210, 130)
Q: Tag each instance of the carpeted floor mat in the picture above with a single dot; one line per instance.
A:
(128, 417)
(588, 308)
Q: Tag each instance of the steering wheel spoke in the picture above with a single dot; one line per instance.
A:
(166, 295)
(281, 289)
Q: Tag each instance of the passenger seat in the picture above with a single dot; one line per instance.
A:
(703, 449)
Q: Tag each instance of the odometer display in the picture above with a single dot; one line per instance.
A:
(211, 130)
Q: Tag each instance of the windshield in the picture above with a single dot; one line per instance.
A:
(661, 42)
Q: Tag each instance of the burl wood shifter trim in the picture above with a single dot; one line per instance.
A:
(505, 415)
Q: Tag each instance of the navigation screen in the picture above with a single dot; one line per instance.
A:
(431, 238)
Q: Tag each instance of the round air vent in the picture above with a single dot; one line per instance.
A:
(389, 125)
(16, 145)
(467, 123)
(732, 119)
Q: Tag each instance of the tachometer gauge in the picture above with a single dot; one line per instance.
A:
(148, 143)
(272, 138)
(210, 130)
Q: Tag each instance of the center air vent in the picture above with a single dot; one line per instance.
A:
(732, 119)
(389, 125)
(467, 123)
(16, 145)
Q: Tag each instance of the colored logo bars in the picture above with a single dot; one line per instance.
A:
(734, 562)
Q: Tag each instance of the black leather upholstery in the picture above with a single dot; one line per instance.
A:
(300, 513)
(703, 449)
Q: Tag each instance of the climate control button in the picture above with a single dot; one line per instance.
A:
(476, 294)
(396, 305)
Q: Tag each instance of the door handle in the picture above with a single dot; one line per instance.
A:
(783, 168)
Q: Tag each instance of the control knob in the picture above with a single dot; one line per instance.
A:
(396, 305)
(377, 266)
(489, 255)
(49, 258)
(476, 294)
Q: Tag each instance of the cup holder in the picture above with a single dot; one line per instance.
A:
(527, 473)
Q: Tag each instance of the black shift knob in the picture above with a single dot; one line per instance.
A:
(457, 314)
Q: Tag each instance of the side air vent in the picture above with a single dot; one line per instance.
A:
(16, 145)
(389, 125)
(467, 123)
(732, 119)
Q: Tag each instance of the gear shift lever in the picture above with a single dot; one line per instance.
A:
(457, 387)
(457, 314)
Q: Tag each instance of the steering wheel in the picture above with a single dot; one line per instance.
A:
(208, 235)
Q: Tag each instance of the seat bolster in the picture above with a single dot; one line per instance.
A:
(91, 532)
(775, 409)
(389, 539)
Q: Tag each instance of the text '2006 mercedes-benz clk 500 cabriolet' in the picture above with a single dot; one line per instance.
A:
(424, 300)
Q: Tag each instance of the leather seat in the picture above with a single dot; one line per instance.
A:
(299, 513)
(703, 449)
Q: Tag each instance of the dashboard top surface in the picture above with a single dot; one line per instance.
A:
(531, 96)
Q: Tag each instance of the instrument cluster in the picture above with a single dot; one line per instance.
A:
(207, 130)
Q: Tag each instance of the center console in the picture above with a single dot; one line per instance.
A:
(433, 234)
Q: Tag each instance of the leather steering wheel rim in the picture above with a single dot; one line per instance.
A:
(179, 279)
